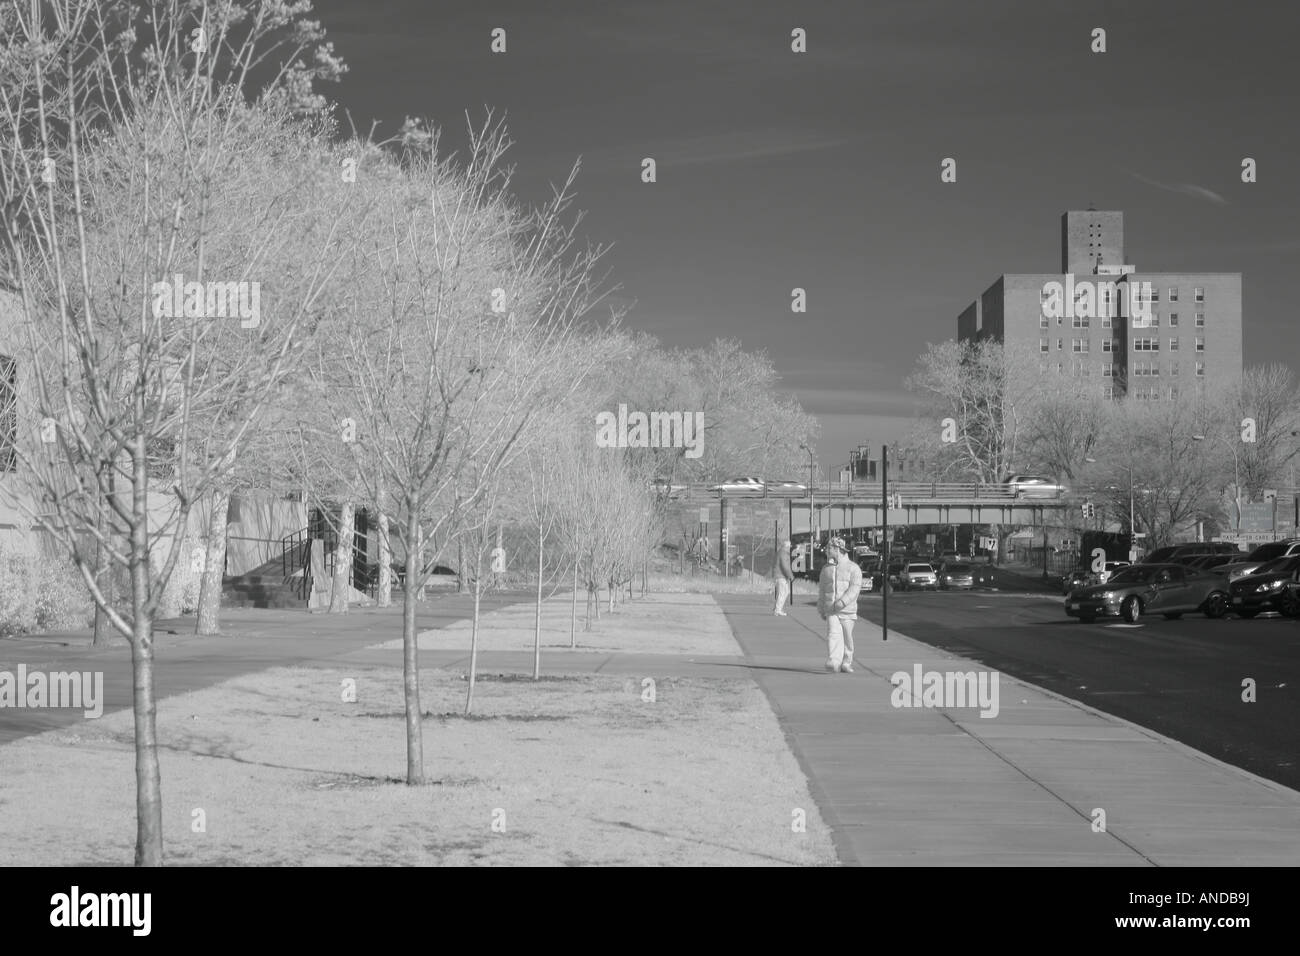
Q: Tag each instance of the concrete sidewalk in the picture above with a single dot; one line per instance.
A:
(928, 786)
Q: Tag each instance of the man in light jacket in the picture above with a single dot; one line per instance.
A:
(837, 603)
(784, 577)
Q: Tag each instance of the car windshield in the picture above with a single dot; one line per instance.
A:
(919, 567)
(1267, 552)
(958, 569)
(1133, 575)
(1280, 565)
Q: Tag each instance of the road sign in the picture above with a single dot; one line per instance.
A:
(704, 516)
(1256, 516)
(1270, 494)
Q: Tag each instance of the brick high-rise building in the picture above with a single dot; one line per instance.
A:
(1147, 335)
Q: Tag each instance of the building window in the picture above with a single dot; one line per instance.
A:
(1199, 294)
(1155, 294)
(1108, 370)
(1105, 322)
(1200, 368)
(1174, 367)
(1078, 345)
(1173, 344)
(1060, 344)
(1108, 392)
(1042, 322)
(8, 413)
(1146, 345)
(1200, 344)
(1200, 320)
(1044, 345)
(1173, 320)
(1080, 322)
(1173, 394)
(1173, 293)
(1059, 368)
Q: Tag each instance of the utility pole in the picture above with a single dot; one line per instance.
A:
(884, 524)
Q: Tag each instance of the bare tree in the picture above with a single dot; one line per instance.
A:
(121, 173)
(453, 347)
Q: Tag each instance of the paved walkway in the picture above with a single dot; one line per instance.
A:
(926, 786)
(252, 640)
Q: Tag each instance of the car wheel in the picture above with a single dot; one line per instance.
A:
(1216, 605)
(1289, 605)
(1173, 615)
(1131, 609)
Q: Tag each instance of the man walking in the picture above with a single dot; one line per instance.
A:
(837, 603)
(784, 577)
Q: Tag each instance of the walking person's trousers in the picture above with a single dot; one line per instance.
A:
(839, 640)
(782, 594)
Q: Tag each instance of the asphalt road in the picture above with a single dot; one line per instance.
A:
(1180, 678)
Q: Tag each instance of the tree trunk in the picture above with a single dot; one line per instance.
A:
(209, 616)
(410, 655)
(537, 617)
(573, 609)
(460, 567)
(341, 586)
(385, 594)
(473, 639)
(148, 779)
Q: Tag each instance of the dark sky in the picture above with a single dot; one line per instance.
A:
(821, 169)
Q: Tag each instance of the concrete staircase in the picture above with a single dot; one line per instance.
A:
(265, 586)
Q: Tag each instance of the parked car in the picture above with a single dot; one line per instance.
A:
(956, 574)
(1208, 562)
(1260, 557)
(896, 568)
(740, 486)
(1169, 589)
(1198, 549)
(918, 575)
(1033, 486)
(1274, 587)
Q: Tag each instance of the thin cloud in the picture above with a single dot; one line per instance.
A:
(738, 147)
(1187, 189)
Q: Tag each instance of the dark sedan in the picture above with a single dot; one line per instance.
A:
(1168, 589)
(1272, 588)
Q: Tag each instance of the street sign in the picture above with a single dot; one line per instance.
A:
(704, 516)
(1270, 494)
(1256, 516)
